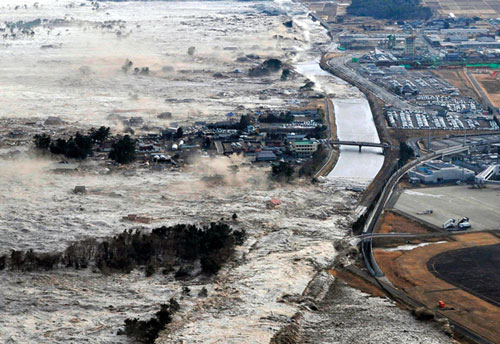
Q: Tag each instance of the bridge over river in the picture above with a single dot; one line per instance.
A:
(360, 144)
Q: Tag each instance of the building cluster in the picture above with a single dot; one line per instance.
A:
(268, 137)
(442, 41)
(372, 40)
(466, 166)
(463, 37)
(480, 159)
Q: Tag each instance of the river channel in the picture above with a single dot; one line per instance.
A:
(354, 121)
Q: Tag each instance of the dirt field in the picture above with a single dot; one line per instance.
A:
(392, 222)
(408, 271)
(490, 86)
(481, 8)
(457, 78)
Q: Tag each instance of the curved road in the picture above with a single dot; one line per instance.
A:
(366, 246)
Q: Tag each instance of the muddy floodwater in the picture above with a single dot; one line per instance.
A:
(70, 63)
(67, 58)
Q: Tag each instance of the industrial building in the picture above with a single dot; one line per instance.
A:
(436, 172)
(363, 41)
(410, 46)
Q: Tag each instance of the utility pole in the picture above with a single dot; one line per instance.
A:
(463, 161)
(429, 139)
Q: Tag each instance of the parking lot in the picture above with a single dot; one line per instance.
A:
(442, 106)
(480, 205)
(408, 119)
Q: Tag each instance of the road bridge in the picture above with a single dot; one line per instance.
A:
(442, 234)
(488, 175)
(360, 144)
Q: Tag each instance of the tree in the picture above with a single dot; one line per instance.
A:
(282, 171)
(77, 147)
(146, 331)
(123, 151)
(405, 153)
(179, 133)
(207, 142)
(319, 131)
(82, 147)
(42, 141)
(59, 147)
(245, 121)
(100, 134)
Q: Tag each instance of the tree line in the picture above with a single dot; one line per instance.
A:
(80, 146)
(390, 9)
(181, 246)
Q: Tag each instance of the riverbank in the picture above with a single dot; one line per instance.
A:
(391, 155)
(333, 157)
(352, 120)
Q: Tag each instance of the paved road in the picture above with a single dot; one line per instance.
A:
(366, 247)
(480, 90)
(444, 233)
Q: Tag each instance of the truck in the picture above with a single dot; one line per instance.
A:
(454, 225)
(450, 224)
(464, 223)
